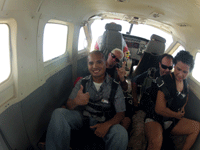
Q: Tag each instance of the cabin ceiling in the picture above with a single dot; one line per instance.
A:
(171, 15)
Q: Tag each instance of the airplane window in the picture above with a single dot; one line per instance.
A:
(145, 31)
(82, 41)
(4, 53)
(178, 50)
(54, 40)
(196, 72)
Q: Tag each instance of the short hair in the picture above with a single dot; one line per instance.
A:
(97, 52)
(119, 50)
(166, 55)
(184, 57)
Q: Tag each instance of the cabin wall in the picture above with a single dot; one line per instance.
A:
(36, 90)
(25, 122)
(192, 111)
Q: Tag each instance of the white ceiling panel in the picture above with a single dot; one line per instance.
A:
(23, 5)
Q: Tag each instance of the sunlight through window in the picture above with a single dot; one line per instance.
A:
(4, 53)
(145, 31)
(54, 40)
(82, 41)
(178, 50)
(196, 71)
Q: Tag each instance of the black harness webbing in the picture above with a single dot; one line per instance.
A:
(111, 99)
(170, 97)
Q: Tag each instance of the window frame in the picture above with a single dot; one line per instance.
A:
(65, 54)
(198, 82)
(9, 87)
(84, 49)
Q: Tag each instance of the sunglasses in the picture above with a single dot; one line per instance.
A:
(165, 67)
(113, 56)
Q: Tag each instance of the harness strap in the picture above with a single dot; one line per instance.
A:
(146, 86)
(83, 83)
(113, 88)
(108, 112)
(160, 84)
(113, 91)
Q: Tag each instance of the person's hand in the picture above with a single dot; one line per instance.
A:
(121, 71)
(82, 98)
(180, 114)
(101, 129)
(183, 110)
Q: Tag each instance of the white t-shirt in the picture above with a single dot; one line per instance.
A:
(97, 85)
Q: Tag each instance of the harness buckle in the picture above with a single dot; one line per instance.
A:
(159, 84)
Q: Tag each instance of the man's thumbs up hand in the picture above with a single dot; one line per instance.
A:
(82, 98)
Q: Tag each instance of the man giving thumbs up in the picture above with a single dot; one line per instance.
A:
(96, 104)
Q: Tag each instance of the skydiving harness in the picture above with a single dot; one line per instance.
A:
(102, 108)
(144, 100)
(176, 101)
(147, 84)
(149, 106)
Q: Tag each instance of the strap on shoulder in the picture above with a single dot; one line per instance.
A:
(113, 90)
(83, 83)
(186, 87)
(161, 84)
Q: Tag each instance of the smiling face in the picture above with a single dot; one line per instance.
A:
(165, 66)
(181, 71)
(96, 65)
(113, 58)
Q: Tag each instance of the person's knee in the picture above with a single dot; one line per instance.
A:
(195, 127)
(126, 122)
(57, 113)
(120, 133)
(155, 142)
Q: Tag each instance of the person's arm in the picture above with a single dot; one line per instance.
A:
(124, 85)
(134, 93)
(80, 99)
(121, 74)
(163, 110)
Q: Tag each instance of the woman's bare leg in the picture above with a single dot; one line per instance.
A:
(153, 131)
(187, 127)
(126, 122)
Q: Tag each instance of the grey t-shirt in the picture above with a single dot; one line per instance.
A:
(102, 93)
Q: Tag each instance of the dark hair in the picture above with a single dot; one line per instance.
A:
(186, 58)
(166, 55)
(97, 52)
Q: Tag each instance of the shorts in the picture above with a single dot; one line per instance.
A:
(148, 120)
(166, 124)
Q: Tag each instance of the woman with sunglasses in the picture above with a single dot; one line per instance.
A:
(171, 100)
